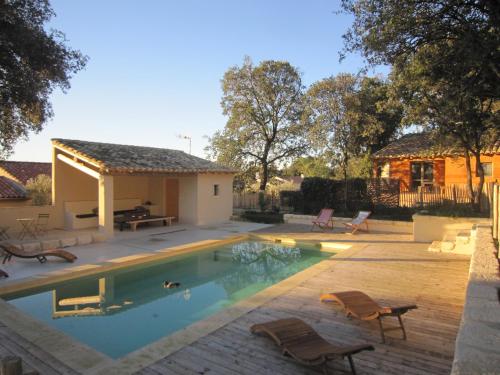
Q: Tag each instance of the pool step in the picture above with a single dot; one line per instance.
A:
(458, 243)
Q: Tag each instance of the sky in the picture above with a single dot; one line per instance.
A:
(155, 66)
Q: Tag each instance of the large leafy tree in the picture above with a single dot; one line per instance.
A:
(445, 56)
(264, 104)
(33, 61)
(309, 166)
(332, 108)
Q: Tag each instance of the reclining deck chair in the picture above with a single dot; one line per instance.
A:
(12, 250)
(359, 220)
(300, 341)
(358, 305)
(324, 219)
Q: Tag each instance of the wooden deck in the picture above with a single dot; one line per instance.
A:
(389, 268)
(393, 271)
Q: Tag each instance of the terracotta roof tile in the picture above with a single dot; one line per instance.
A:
(10, 189)
(24, 170)
(116, 158)
(425, 145)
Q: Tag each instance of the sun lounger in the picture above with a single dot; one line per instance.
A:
(3, 273)
(360, 306)
(301, 342)
(324, 219)
(12, 250)
(359, 220)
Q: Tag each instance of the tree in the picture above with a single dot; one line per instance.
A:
(332, 109)
(309, 166)
(264, 104)
(33, 62)
(39, 189)
(445, 56)
(380, 115)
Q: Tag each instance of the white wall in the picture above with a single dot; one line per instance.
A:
(188, 200)
(214, 209)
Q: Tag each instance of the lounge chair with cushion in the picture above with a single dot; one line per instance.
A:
(324, 219)
(360, 306)
(3, 273)
(12, 250)
(359, 220)
(300, 341)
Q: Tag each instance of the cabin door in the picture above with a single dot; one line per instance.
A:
(172, 198)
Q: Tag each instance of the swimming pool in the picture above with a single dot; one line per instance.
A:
(121, 311)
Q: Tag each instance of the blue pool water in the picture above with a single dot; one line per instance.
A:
(121, 311)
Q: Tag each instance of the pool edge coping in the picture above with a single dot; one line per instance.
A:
(77, 355)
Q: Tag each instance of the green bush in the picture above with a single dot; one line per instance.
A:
(454, 210)
(317, 193)
(292, 200)
(40, 190)
(263, 217)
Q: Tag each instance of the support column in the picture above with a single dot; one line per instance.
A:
(106, 196)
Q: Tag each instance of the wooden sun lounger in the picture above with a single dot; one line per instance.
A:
(3, 273)
(324, 219)
(358, 305)
(300, 341)
(12, 250)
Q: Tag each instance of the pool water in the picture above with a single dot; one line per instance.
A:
(121, 311)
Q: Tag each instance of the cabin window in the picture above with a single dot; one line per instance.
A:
(384, 170)
(422, 174)
(488, 169)
(216, 190)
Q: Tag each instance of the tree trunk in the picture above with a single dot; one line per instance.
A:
(480, 174)
(470, 189)
(346, 160)
(264, 177)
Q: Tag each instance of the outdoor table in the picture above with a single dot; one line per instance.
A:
(28, 227)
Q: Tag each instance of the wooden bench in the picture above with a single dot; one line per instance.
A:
(133, 222)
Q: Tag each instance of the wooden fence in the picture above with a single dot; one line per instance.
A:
(442, 195)
(250, 201)
(390, 195)
(495, 212)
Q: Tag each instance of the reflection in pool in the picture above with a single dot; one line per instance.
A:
(121, 311)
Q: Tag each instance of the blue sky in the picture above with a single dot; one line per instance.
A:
(155, 66)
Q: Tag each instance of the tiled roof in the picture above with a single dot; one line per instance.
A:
(425, 145)
(10, 189)
(24, 170)
(115, 158)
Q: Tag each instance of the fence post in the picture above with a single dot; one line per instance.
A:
(496, 214)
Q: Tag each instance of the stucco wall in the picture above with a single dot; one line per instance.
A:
(214, 209)
(188, 200)
(8, 216)
(156, 193)
(427, 228)
(477, 349)
(126, 187)
(15, 202)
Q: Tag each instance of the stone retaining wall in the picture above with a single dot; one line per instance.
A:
(390, 226)
(477, 349)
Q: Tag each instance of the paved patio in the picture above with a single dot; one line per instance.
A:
(389, 267)
(147, 239)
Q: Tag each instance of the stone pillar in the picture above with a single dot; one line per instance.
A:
(106, 196)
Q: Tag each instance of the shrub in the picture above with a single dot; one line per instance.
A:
(263, 217)
(291, 200)
(40, 190)
(317, 193)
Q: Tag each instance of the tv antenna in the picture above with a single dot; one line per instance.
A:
(181, 136)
